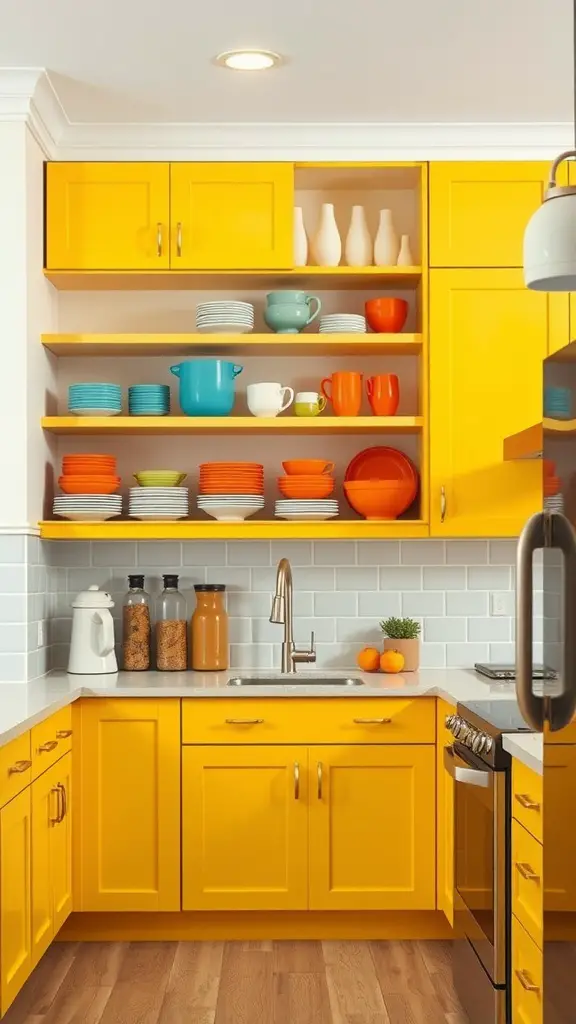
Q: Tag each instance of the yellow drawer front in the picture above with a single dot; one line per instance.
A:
(50, 740)
(527, 971)
(566, 736)
(289, 720)
(527, 792)
(527, 874)
(15, 767)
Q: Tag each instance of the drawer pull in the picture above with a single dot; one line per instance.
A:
(179, 238)
(320, 779)
(63, 734)
(159, 240)
(526, 802)
(296, 780)
(45, 748)
(372, 721)
(526, 871)
(58, 818)
(244, 721)
(19, 767)
(526, 981)
(62, 790)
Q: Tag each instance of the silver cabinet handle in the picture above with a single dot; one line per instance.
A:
(442, 503)
(158, 240)
(179, 238)
(372, 721)
(320, 771)
(296, 780)
(244, 721)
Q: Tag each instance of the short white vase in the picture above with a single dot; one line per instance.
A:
(300, 239)
(327, 245)
(386, 242)
(358, 245)
(405, 258)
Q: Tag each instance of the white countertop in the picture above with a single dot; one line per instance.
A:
(528, 749)
(24, 705)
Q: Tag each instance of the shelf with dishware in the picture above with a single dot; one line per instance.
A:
(209, 280)
(250, 529)
(529, 443)
(173, 425)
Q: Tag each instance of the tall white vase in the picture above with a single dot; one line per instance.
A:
(405, 258)
(327, 246)
(300, 239)
(358, 246)
(386, 242)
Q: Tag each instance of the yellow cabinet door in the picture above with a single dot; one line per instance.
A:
(51, 854)
(107, 216)
(478, 211)
(527, 977)
(445, 816)
(232, 216)
(559, 836)
(488, 338)
(15, 916)
(61, 846)
(373, 828)
(244, 828)
(129, 805)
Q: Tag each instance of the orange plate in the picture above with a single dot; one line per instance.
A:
(382, 463)
(232, 465)
(231, 489)
(307, 467)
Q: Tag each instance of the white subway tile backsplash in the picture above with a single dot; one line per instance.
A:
(13, 638)
(502, 552)
(401, 577)
(505, 601)
(432, 655)
(314, 578)
(240, 631)
(337, 604)
(233, 577)
(380, 604)
(303, 603)
(338, 656)
(361, 577)
(114, 553)
(298, 552)
(324, 631)
(13, 668)
(249, 552)
(489, 629)
(249, 605)
(464, 655)
(467, 552)
(360, 631)
(444, 577)
(423, 603)
(204, 552)
(13, 579)
(336, 552)
(422, 552)
(378, 552)
(466, 602)
(65, 553)
(266, 632)
(489, 577)
(501, 652)
(265, 579)
(13, 607)
(81, 579)
(13, 549)
(165, 554)
(252, 656)
(444, 629)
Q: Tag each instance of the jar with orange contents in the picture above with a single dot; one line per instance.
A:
(209, 629)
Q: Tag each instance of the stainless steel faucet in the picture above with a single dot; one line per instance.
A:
(282, 613)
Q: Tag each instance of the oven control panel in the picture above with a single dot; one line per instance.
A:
(476, 740)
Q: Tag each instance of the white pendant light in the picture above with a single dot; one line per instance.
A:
(550, 236)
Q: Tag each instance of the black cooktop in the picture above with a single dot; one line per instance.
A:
(493, 716)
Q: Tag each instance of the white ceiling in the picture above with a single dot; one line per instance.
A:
(348, 61)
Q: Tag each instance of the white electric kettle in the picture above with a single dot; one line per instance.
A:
(92, 644)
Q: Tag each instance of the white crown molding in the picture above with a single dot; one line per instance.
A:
(27, 95)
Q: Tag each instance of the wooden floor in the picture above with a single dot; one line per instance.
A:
(241, 983)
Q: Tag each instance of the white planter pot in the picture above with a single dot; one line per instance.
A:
(327, 245)
(358, 246)
(386, 244)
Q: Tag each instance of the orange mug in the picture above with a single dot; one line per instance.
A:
(345, 392)
(383, 394)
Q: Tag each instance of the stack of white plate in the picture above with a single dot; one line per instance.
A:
(89, 508)
(554, 503)
(225, 317)
(230, 508)
(311, 511)
(162, 503)
(342, 323)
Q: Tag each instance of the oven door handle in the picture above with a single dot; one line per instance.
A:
(462, 773)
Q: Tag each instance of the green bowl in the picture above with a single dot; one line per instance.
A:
(160, 478)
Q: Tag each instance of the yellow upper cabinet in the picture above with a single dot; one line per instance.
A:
(15, 915)
(107, 216)
(488, 337)
(232, 216)
(478, 211)
(244, 827)
(129, 805)
(372, 828)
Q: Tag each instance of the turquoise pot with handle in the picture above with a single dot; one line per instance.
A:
(206, 386)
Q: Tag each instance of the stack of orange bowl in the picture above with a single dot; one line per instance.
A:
(306, 479)
(553, 498)
(89, 483)
(231, 491)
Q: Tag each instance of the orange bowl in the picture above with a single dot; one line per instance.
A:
(386, 315)
(383, 502)
(89, 484)
(87, 469)
(229, 488)
(307, 467)
(306, 486)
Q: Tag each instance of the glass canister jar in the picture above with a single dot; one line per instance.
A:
(136, 627)
(171, 628)
(209, 629)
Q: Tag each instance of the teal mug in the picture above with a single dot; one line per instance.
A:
(288, 312)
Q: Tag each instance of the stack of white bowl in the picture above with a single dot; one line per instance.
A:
(311, 511)
(225, 317)
(230, 508)
(160, 503)
(88, 508)
(342, 323)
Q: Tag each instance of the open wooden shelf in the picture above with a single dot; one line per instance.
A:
(170, 280)
(222, 344)
(161, 425)
(251, 529)
(529, 443)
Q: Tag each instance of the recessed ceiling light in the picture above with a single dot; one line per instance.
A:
(248, 60)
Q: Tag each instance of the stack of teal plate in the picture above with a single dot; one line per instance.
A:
(149, 400)
(95, 399)
(558, 403)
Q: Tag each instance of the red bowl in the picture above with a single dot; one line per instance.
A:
(386, 315)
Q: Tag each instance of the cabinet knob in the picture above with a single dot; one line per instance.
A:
(18, 767)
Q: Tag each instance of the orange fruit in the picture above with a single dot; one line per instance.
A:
(392, 661)
(369, 659)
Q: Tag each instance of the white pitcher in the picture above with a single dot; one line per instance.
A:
(92, 644)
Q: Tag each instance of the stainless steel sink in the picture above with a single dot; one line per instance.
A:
(300, 679)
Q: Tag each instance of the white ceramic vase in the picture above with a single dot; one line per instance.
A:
(405, 258)
(358, 246)
(386, 241)
(327, 243)
(300, 239)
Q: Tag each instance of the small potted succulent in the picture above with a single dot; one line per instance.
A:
(403, 635)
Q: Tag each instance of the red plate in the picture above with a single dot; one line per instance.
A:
(382, 463)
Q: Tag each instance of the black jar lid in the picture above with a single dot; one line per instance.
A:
(170, 580)
(210, 588)
(136, 581)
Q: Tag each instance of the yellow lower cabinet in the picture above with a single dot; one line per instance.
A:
(15, 917)
(129, 804)
(559, 834)
(51, 854)
(445, 817)
(244, 828)
(527, 886)
(373, 827)
(527, 977)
